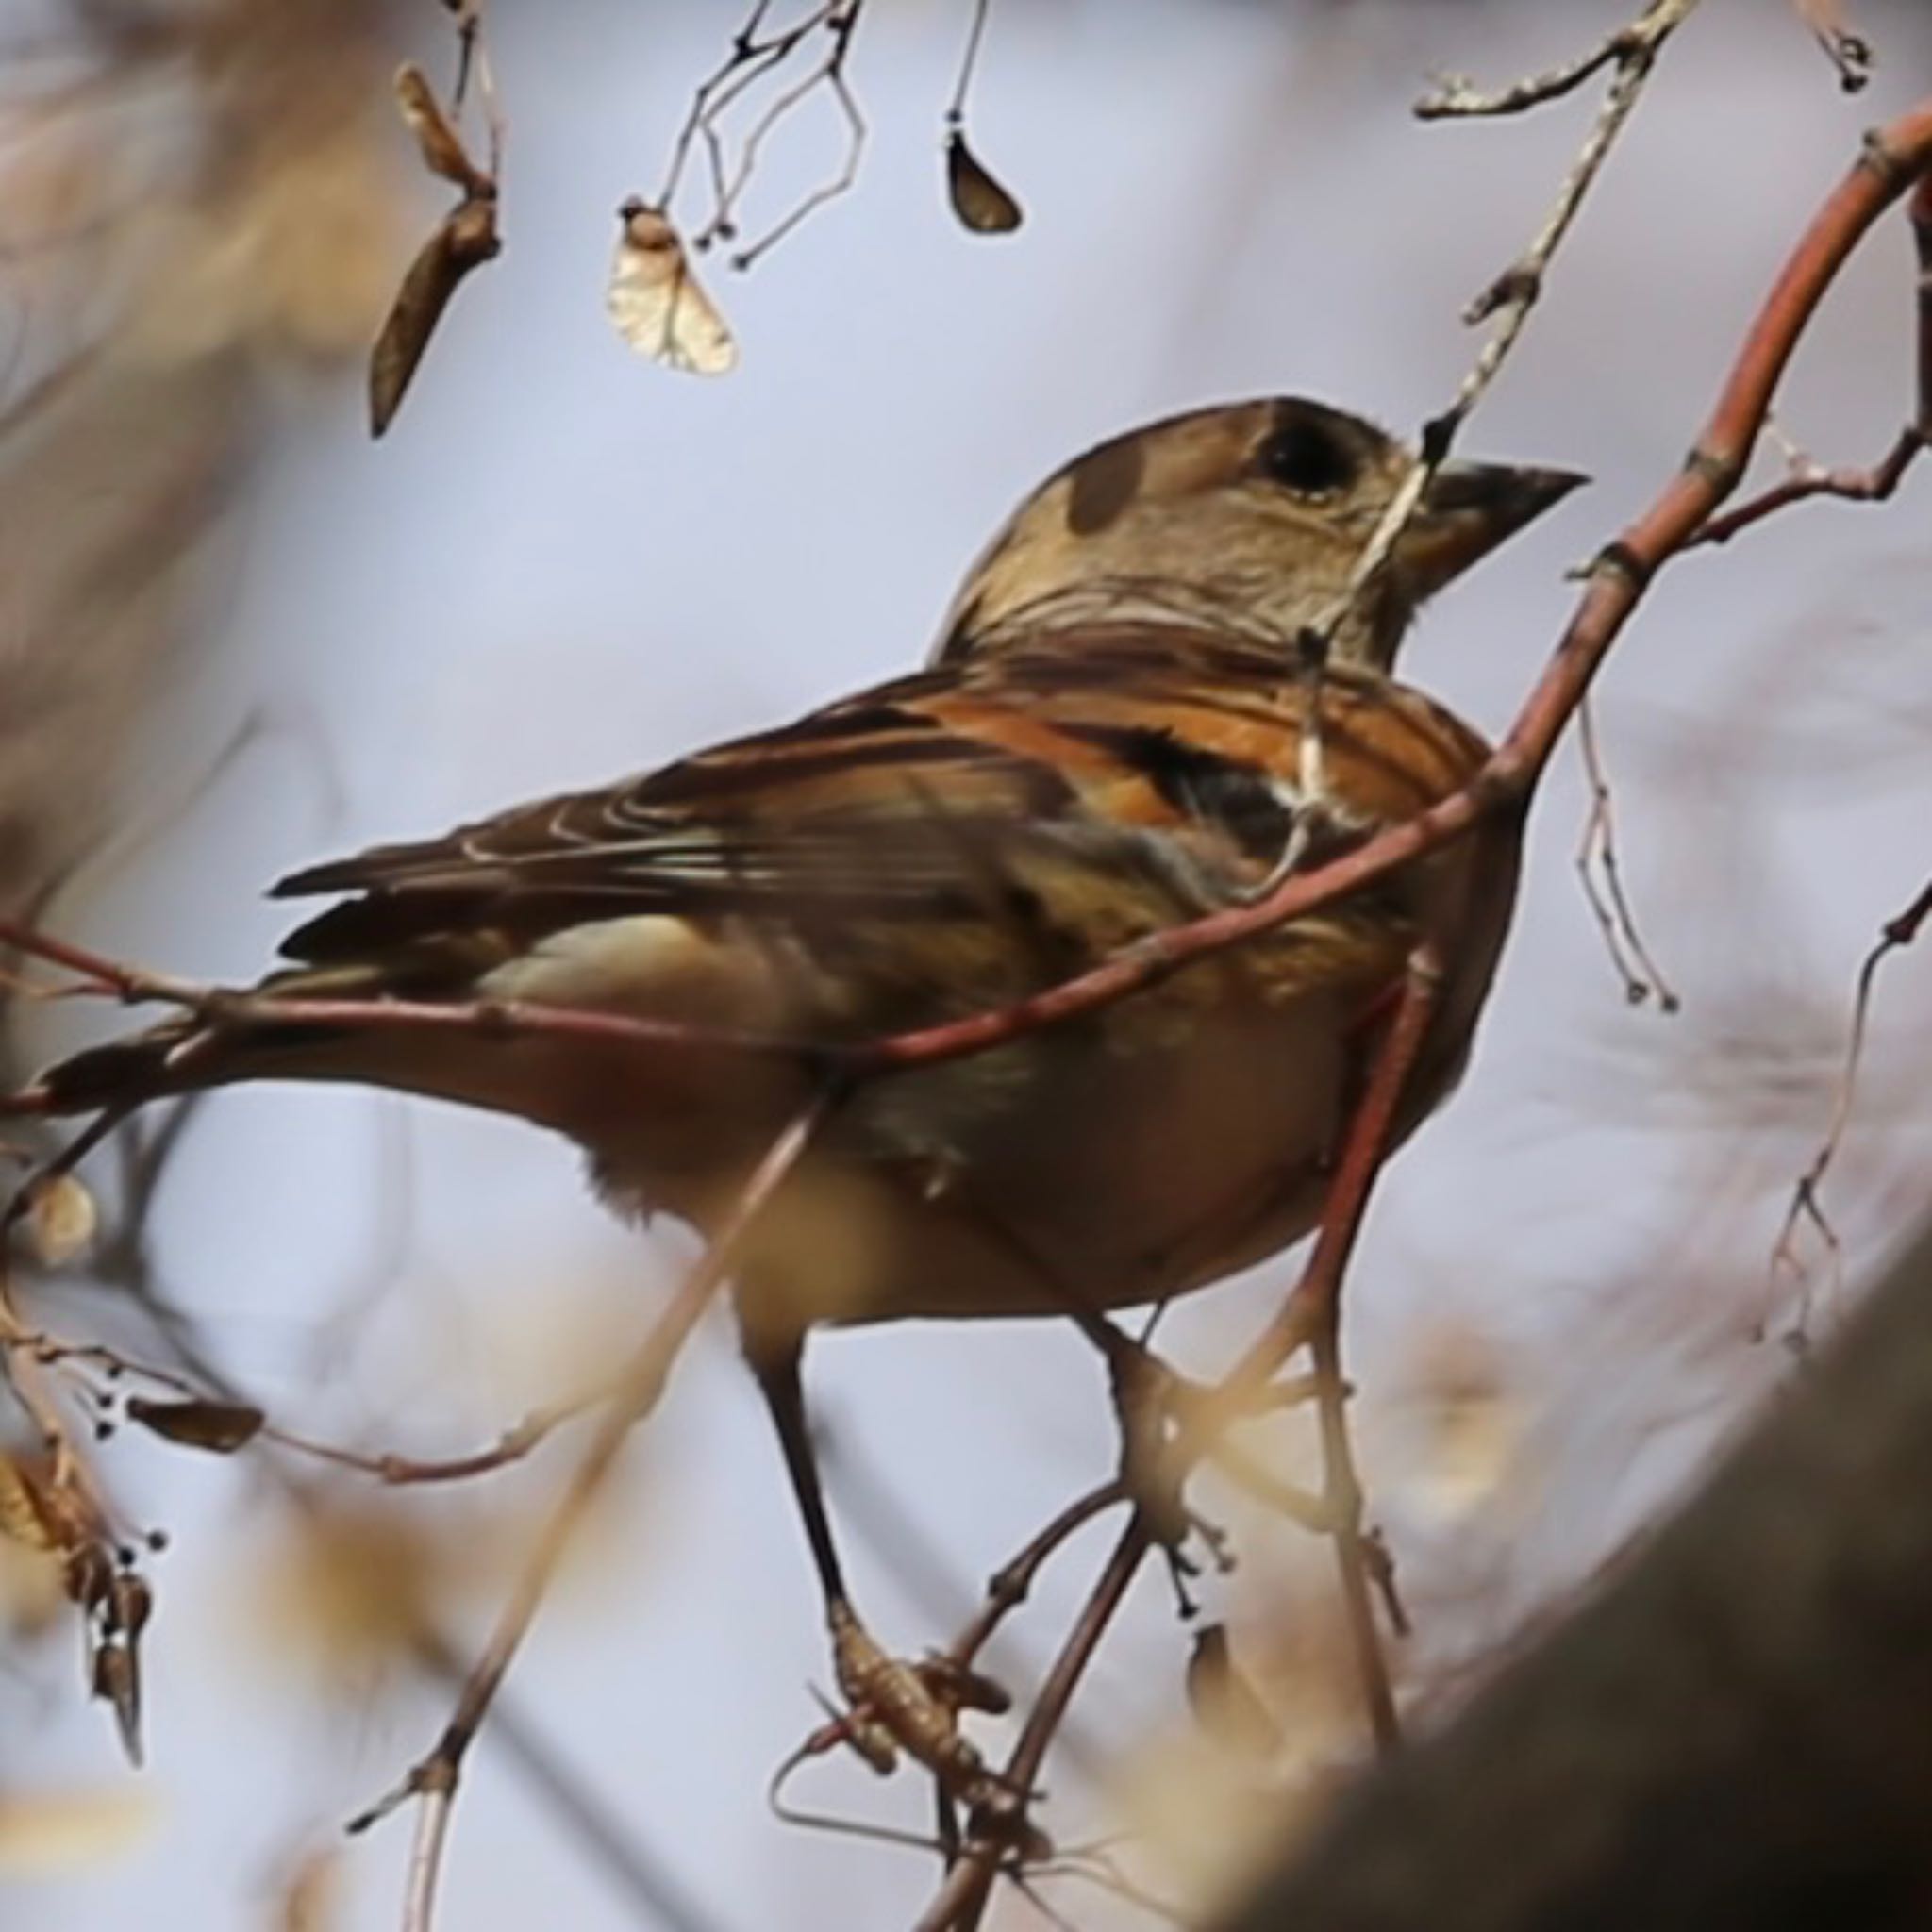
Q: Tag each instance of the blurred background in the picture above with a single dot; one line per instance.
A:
(237, 635)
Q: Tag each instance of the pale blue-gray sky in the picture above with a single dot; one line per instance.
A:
(564, 563)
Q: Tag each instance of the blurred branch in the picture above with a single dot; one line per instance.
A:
(618, 1848)
(1731, 1734)
(189, 204)
(433, 1780)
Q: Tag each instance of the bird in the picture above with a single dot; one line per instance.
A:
(1112, 736)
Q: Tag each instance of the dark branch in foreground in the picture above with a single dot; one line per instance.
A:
(1733, 1734)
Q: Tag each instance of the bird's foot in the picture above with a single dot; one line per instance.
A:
(898, 1705)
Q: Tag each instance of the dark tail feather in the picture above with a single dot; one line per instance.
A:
(186, 1054)
(123, 1072)
(182, 1056)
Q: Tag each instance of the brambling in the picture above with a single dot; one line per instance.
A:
(1107, 741)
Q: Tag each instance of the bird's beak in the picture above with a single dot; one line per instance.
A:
(1468, 509)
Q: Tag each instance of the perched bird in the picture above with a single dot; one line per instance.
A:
(1107, 741)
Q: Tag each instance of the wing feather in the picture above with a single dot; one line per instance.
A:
(1132, 750)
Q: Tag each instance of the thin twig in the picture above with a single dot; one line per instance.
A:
(434, 1778)
(1509, 297)
(1458, 98)
(1312, 1313)
(960, 1902)
(1877, 483)
(1009, 1586)
(749, 61)
(1872, 485)
(969, 61)
(1807, 1206)
(1597, 858)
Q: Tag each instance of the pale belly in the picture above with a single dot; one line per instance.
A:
(1101, 1164)
(1098, 1178)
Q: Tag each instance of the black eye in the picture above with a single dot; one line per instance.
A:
(1307, 457)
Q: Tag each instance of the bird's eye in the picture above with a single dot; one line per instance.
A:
(1307, 457)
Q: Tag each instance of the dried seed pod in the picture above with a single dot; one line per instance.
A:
(24, 1517)
(130, 1604)
(1224, 1702)
(980, 202)
(220, 1427)
(61, 1220)
(657, 303)
(441, 146)
(116, 1680)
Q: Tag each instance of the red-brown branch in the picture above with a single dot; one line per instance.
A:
(1893, 158)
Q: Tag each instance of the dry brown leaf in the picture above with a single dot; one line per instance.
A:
(980, 202)
(1224, 1702)
(655, 300)
(467, 238)
(116, 1681)
(441, 146)
(25, 1515)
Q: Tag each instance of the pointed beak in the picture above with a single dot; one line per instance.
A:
(1471, 508)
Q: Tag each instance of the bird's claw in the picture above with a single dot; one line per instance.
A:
(894, 1705)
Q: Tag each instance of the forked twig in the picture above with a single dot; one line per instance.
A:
(754, 56)
(1508, 299)
(1877, 483)
(1602, 879)
(1807, 1206)
(1458, 98)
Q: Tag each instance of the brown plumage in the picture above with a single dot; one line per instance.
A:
(1110, 740)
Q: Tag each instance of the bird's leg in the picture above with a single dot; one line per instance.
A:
(894, 1705)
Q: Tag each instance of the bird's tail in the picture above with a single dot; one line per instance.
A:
(189, 1052)
(123, 1072)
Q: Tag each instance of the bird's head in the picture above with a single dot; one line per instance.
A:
(1248, 518)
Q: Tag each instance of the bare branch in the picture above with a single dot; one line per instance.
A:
(434, 1780)
(1807, 1204)
(1597, 858)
